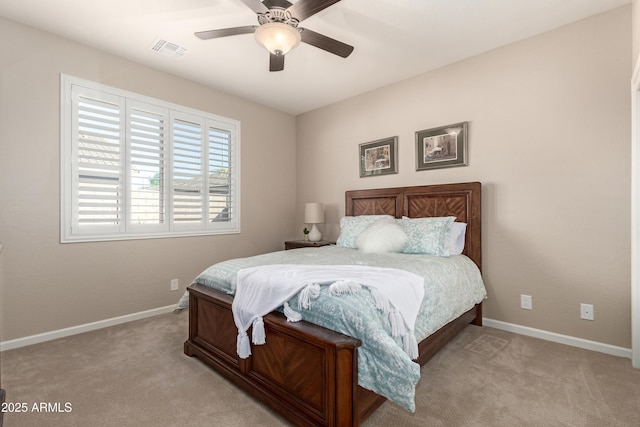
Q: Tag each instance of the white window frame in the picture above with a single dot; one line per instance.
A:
(70, 228)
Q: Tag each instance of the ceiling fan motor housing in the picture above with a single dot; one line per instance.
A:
(278, 15)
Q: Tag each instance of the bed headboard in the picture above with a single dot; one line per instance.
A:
(459, 200)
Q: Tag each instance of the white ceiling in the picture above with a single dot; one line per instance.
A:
(393, 39)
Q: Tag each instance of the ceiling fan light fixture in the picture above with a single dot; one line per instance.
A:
(277, 38)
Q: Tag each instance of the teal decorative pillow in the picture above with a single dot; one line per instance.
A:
(351, 226)
(431, 236)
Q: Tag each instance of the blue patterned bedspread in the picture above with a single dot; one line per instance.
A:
(453, 285)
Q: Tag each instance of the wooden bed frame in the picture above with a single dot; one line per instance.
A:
(309, 373)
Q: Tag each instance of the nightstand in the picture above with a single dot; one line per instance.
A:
(295, 244)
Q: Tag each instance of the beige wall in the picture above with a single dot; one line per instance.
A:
(47, 286)
(636, 30)
(549, 138)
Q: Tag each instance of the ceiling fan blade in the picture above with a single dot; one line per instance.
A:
(256, 6)
(276, 62)
(325, 43)
(282, 4)
(225, 32)
(306, 8)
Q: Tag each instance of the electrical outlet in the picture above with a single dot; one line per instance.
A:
(586, 311)
(526, 302)
(174, 284)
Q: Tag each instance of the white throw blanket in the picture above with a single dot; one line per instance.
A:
(260, 290)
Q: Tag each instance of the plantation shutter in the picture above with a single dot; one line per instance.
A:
(221, 184)
(147, 166)
(97, 173)
(188, 181)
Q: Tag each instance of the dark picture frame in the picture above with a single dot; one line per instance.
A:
(442, 147)
(379, 157)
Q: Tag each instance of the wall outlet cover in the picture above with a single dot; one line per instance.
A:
(586, 311)
(526, 302)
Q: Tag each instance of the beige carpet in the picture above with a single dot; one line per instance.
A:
(137, 375)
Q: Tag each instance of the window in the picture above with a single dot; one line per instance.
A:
(134, 167)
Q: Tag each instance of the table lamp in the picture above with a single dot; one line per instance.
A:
(314, 214)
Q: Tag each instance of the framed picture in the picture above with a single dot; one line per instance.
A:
(379, 157)
(442, 147)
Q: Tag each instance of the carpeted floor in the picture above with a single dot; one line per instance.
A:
(136, 375)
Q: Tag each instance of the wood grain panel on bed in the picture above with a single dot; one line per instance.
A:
(380, 205)
(306, 372)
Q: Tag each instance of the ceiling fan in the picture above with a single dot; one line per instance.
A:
(278, 31)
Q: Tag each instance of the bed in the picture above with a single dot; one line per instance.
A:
(309, 373)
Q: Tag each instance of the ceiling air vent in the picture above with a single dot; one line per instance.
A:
(167, 48)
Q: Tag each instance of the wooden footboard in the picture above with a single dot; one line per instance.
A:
(306, 372)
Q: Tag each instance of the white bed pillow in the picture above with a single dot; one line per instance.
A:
(384, 235)
(431, 236)
(352, 226)
(457, 239)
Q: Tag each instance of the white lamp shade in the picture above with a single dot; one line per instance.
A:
(277, 38)
(314, 213)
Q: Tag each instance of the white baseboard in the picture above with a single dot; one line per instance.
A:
(61, 333)
(561, 339)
